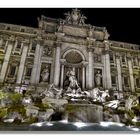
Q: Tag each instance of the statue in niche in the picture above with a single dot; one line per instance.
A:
(72, 82)
(98, 78)
(72, 79)
(45, 74)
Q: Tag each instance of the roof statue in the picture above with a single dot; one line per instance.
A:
(75, 17)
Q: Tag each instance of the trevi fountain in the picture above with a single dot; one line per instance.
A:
(67, 105)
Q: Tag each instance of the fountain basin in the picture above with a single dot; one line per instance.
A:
(84, 113)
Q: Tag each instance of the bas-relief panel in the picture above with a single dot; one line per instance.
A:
(47, 51)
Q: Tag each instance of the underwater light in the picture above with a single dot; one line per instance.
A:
(49, 124)
(135, 129)
(80, 124)
(64, 121)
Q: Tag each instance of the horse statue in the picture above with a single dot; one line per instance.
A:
(97, 95)
(52, 92)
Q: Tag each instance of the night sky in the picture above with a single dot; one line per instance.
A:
(122, 24)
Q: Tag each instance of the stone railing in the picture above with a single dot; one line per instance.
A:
(18, 28)
(125, 45)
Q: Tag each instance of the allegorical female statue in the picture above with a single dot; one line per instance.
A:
(98, 78)
(45, 74)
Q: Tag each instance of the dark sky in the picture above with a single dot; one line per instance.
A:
(122, 24)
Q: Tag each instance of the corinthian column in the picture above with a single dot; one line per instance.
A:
(90, 68)
(119, 72)
(57, 65)
(107, 66)
(131, 73)
(139, 61)
(83, 78)
(6, 61)
(35, 76)
(22, 63)
(62, 75)
(85, 63)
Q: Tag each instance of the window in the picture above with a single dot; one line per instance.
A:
(126, 82)
(121, 45)
(113, 78)
(28, 71)
(123, 59)
(22, 30)
(12, 70)
(135, 62)
(18, 45)
(0, 65)
(138, 82)
(111, 58)
(2, 43)
(8, 28)
(33, 46)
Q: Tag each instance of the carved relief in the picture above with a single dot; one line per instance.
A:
(48, 51)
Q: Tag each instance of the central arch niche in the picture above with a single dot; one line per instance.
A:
(73, 61)
(73, 57)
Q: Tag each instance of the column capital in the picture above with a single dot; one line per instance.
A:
(57, 44)
(84, 63)
(63, 61)
(26, 41)
(117, 55)
(90, 48)
(129, 56)
(105, 52)
(11, 38)
(107, 44)
(10, 42)
(40, 42)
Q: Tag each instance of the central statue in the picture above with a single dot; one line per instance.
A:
(71, 84)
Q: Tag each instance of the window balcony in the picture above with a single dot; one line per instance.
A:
(112, 64)
(126, 88)
(11, 79)
(138, 89)
(2, 49)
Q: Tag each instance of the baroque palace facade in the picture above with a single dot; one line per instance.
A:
(35, 57)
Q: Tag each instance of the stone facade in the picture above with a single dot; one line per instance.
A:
(35, 57)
